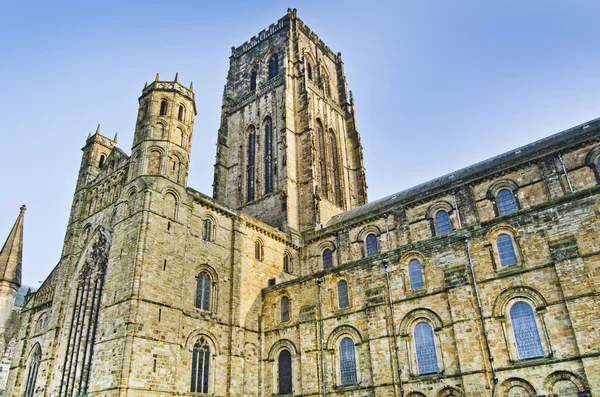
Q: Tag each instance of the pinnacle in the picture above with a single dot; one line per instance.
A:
(11, 255)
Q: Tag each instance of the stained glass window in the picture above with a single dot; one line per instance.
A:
(285, 309)
(506, 202)
(526, 332)
(203, 287)
(442, 222)
(347, 362)
(414, 274)
(425, 348)
(372, 248)
(506, 250)
(343, 294)
(200, 367)
(285, 372)
(327, 259)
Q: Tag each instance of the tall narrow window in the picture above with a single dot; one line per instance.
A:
(372, 248)
(442, 222)
(251, 165)
(285, 372)
(322, 160)
(335, 170)
(101, 162)
(253, 80)
(258, 250)
(425, 349)
(207, 232)
(327, 259)
(163, 107)
(268, 155)
(343, 294)
(273, 66)
(203, 286)
(347, 362)
(180, 113)
(414, 274)
(83, 320)
(506, 250)
(285, 309)
(287, 263)
(34, 365)
(200, 366)
(506, 202)
(309, 70)
(526, 332)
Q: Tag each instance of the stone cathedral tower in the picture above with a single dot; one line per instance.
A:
(288, 151)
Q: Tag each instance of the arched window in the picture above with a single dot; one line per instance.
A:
(251, 165)
(273, 66)
(343, 294)
(180, 113)
(203, 287)
(506, 202)
(442, 222)
(309, 70)
(506, 250)
(285, 372)
(526, 332)
(207, 232)
(414, 274)
(258, 250)
(347, 362)
(335, 170)
(101, 162)
(200, 366)
(327, 258)
(268, 155)
(34, 365)
(287, 263)
(285, 309)
(163, 107)
(322, 160)
(253, 80)
(372, 248)
(425, 349)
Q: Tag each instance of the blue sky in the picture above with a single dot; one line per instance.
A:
(438, 85)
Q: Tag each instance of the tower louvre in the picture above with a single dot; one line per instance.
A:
(288, 151)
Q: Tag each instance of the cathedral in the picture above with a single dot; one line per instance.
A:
(287, 281)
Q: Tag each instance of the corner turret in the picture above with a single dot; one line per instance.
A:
(95, 152)
(163, 134)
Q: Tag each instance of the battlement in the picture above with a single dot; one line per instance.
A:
(263, 35)
(164, 85)
(101, 139)
(277, 26)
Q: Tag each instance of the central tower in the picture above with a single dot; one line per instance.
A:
(288, 150)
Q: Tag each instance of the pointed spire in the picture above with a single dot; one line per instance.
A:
(191, 86)
(98, 129)
(176, 76)
(89, 135)
(156, 79)
(115, 138)
(145, 85)
(11, 256)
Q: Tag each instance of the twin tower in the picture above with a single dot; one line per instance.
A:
(288, 150)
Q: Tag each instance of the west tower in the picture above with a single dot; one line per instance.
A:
(288, 150)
